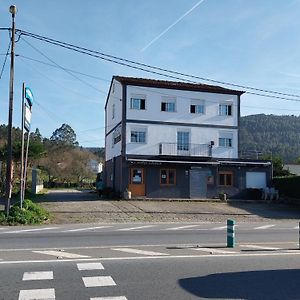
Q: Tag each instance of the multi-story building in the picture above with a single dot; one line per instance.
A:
(175, 139)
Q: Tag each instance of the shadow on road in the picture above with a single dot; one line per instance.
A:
(266, 284)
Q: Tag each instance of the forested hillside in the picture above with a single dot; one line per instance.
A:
(279, 135)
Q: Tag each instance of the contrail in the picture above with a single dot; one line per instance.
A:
(172, 25)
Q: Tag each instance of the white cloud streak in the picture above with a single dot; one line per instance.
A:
(172, 25)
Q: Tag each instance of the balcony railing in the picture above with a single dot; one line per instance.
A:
(184, 149)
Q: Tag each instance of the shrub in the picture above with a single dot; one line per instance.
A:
(31, 213)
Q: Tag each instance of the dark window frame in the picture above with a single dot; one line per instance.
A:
(167, 171)
(227, 178)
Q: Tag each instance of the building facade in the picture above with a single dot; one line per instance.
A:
(168, 139)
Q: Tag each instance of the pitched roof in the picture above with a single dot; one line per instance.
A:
(177, 85)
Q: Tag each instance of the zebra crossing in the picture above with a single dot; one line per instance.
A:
(148, 227)
(88, 281)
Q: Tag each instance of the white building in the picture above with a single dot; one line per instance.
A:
(173, 139)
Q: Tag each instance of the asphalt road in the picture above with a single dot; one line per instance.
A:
(150, 261)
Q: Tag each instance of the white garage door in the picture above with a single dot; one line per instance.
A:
(256, 180)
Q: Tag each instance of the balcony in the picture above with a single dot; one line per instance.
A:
(203, 150)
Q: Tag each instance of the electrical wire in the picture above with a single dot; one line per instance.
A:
(89, 51)
(5, 59)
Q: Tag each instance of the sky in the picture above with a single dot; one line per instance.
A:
(251, 43)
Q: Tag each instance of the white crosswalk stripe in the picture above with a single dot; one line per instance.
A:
(86, 229)
(136, 228)
(46, 275)
(61, 254)
(219, 228)
(264, 227)
(37, 294)
(182, 227)
(98, 281)
(259, 247)
(110, 298)
(90, 266)
(213, 251)
(137, 251)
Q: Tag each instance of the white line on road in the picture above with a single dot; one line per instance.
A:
(47, 275)
(219, 228)
(182, 227)
(90, 266)
(213, 251)
(260, 247)
(137, 251)
(136, 228)
(98, 281)
(61, 254)
(264, 227)
(40, 294)
(85, 229)
(30, 230)
(110, 298)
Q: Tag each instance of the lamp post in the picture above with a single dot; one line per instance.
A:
(9, 170)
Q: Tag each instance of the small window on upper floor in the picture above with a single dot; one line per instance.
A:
(225, 142)
(225, 109)
(138, 136)
(197, 106)
(138, 103)
(168, 105)
(113, 111)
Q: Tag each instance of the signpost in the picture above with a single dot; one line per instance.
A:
(27, 101)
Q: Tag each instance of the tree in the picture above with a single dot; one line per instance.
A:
(64, 135)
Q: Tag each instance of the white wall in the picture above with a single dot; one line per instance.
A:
(183, 100)
(156, 134)
(114, 99)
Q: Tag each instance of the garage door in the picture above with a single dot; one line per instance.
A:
(256, 180)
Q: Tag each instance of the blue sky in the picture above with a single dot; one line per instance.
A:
(254, 43)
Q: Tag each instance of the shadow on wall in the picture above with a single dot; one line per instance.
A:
(266, 284)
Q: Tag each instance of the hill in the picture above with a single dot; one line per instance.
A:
(279, 135)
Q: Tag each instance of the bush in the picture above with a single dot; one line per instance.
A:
(31, 213)
(288, 186)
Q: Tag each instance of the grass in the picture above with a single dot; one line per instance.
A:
(30, 214)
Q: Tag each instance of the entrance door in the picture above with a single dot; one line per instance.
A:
(137, 183)
(198, 183)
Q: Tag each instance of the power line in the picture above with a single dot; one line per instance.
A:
(113, 58)
(5, 59)
(62, 68)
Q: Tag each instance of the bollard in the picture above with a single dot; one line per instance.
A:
(230, 234)
(299, 235)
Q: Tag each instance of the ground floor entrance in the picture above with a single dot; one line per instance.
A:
(137, 182)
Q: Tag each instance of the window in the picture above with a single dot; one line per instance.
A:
(225, 109)
(167, 177)
(117, 135)
(197, 109)
(225, 142)
(113, 111)
(183, 140)
(138, 103)
(138, 136)
(226, 178)
(168, 106)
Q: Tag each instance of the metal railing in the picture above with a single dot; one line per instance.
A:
(184, 149)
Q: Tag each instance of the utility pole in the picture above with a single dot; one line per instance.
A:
(9, 170)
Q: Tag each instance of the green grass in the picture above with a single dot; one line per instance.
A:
(31, 213)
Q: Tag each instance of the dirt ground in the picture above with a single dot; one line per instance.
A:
(72, 206)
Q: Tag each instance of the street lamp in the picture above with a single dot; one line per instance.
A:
(9, 170)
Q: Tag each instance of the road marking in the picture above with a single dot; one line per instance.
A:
(30, 230)
(213, 251)
(136, 228)
(38, 275)
(260, 247)
(110, 298)
(61, 254)
(90, 266)
(219, 228)
(137, 251)
(264, 227)
(85, 229)
(39, 294)
(296, 227)
(181, 227)
(98, 281)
